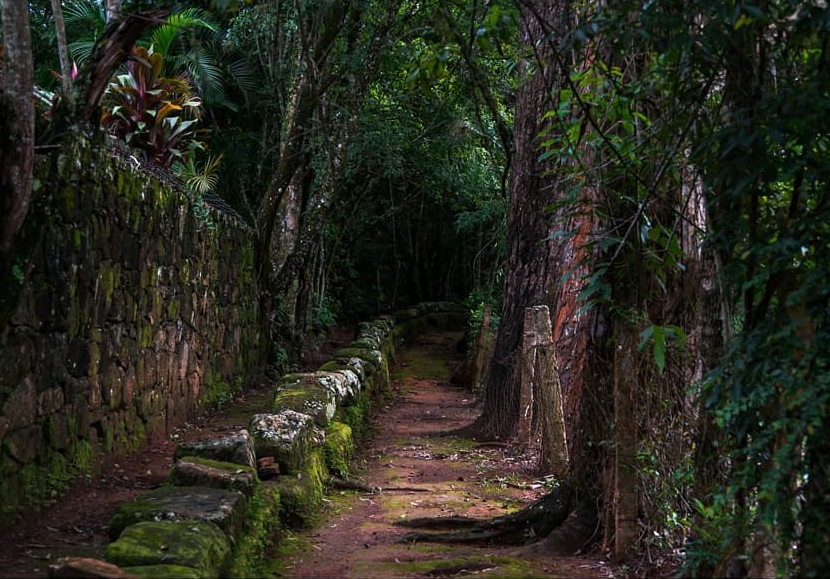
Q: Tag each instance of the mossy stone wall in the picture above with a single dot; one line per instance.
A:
(119, 316)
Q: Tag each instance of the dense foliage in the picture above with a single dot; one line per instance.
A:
(369, 145)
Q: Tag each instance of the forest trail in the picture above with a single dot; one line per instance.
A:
(424, 471)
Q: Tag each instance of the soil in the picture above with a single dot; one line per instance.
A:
(421, 468)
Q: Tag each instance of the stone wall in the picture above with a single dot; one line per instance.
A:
(122, 315)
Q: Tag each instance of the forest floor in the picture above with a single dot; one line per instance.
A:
(422, 469)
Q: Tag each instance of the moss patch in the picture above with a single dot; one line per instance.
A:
(201, 546)
(339, 448)
(301, 493)
(497, 567)
(422, 362)
(251, 556)
(226, 509)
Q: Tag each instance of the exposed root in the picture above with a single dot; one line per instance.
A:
(574, 535)
(339, 483)
(450, 570)
(538, 519)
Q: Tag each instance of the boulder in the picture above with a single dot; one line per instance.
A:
(225, 509)
(307, 394)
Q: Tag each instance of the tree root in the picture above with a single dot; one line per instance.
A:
(536, 520)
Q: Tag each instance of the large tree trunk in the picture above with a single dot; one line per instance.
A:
(532, 256)
(17, 121)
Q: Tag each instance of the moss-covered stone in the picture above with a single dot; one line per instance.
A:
(251, 556)
(305, 394)
(339, 448)
(225, 509)
(236, 448)
(301, 494)
(288, 436)
(195, 544)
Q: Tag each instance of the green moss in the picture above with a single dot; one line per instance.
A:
(251, 557)
(356, 415)
(215, 393)
(195, 544)
(163, 572)
(338, 448)
(289, 546)
(173, 308)
(498, 566)
(36, 485)
(301, 493)
(422, 362)
(365, 355)
(307, 397)
(146, 337)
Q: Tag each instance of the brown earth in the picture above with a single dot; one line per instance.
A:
(421, 468)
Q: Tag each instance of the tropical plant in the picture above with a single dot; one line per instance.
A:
(153, 114)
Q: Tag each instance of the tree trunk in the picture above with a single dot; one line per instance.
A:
(553, 450)
(63, 50)
(532, 255)
(626, 481)
(17, 121)
(113, 10)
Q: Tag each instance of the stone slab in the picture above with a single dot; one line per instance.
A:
(225, 509)
(237, 448)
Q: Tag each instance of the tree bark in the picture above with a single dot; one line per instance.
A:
(532, 255)
(553, 450)
(626, 480)
(113, 10)
(17, 119)
(63, 50)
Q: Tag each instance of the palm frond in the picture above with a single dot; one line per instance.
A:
(164, 35)
(241, 74)
(206, 74)
(85, 12)
(81, 50)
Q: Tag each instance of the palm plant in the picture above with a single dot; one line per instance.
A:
(199, 55)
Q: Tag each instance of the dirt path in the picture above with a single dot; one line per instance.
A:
(455, 476)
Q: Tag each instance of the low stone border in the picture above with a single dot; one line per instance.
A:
(227, 497)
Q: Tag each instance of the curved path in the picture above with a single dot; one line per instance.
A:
(423, 472)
